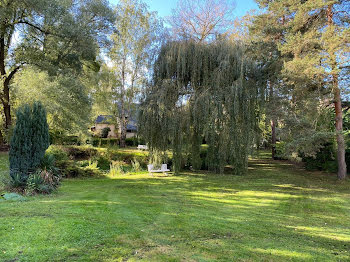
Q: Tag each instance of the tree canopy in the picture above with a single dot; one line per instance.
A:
(203, 91)
(134, 45)
(56, 36)
(202, 20)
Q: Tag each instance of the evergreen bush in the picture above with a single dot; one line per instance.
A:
(104, 132)
(29, 141)
(40, 134)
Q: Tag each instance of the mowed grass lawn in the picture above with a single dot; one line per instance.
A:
(275, 213)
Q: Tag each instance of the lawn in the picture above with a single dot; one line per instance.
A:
(277, 212)
(4, 169)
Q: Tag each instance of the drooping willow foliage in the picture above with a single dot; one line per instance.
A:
(202, 92)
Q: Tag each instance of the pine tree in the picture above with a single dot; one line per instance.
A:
(265, 34)
(315, 42)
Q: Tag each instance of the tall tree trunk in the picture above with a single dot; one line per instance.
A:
(273, 122)
(5, 81)
(122, 125)
(273, 138)
(6, 104)
(339, 129)
(122, 109)
(337, 106)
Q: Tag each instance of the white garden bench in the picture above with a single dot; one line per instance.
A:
(164, 169)
(142, 147)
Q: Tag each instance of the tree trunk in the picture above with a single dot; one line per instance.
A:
(122, 125)
(7, 106)
(5, 80)
(339, 129)
(122, 109)
(273, 121)
(337, 106)
(273, 138)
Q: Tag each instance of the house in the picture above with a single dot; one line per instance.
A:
(103, 121)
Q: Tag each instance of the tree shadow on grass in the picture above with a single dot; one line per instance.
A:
(275, 213)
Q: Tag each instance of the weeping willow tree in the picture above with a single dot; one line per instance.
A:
(202, 92)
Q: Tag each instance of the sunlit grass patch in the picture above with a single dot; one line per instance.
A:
(274, 213)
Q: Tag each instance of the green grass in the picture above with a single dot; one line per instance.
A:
(4, 170)
(276, 213)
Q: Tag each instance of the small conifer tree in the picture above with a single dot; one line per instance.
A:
(40, 134)
(20, 151)
(29, 141)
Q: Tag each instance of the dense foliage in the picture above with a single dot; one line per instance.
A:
(56, 36)
(306, 49)
(203, 91)
(65, 97)
(135, 42)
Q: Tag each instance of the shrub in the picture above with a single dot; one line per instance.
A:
(104, 142)
(95, 141)
(59, 138)
(91, 169)
(121, 156)
(134, 141)
(70, 140)
(80, 152)
(34, 183)
(57, 152)
(103, 163)
(105, 131)
(330, 166)
(48, 162)
(318, 162)
(73, 169)
(70, 170)
(55, 137)
(131, 141)
(280, 151)
(29, 141)
(46, 179)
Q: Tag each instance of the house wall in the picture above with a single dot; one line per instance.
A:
(111, 133)
(130, 135)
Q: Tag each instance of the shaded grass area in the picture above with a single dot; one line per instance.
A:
(276, 213)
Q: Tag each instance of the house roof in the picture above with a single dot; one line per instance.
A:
(132, 125)
(104, 119)
(108, 119)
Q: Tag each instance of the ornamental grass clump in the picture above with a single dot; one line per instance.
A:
(136, 166)
(116, 168)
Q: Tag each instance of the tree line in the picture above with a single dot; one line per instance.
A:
(278, 77)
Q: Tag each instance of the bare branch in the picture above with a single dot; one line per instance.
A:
(200, 19)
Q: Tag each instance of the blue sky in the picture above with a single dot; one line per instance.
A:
(163, 7)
